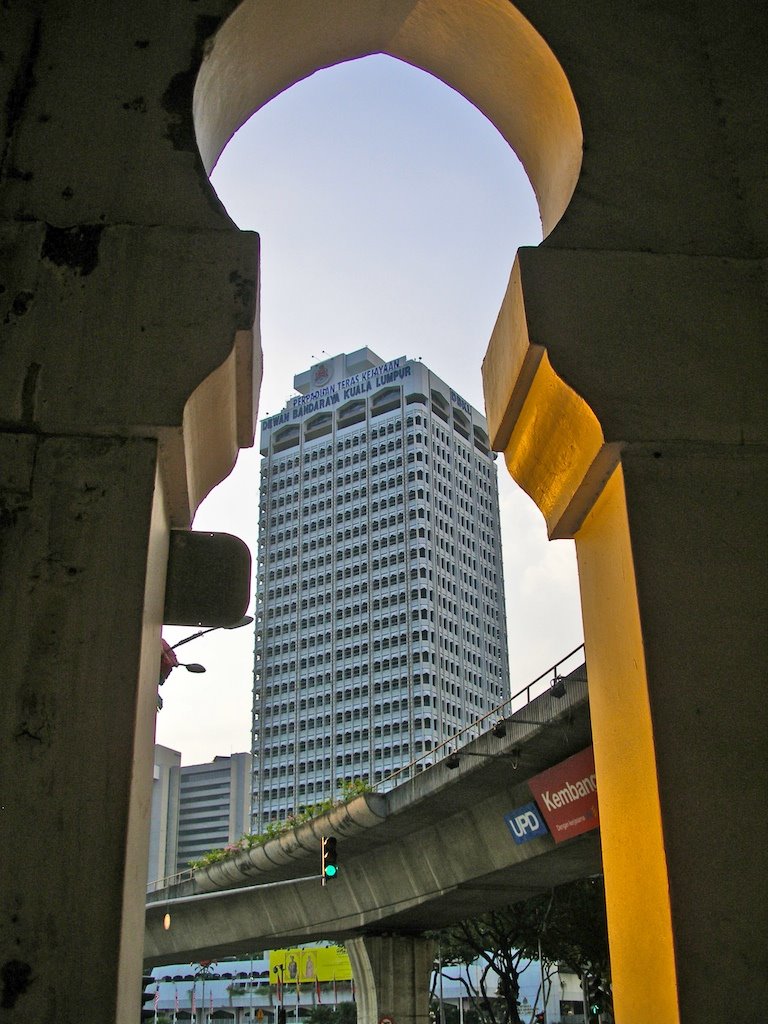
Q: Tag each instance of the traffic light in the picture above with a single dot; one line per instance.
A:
(594, 996)
(146, 981)
(330, 859)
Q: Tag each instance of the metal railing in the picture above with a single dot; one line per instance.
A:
(541, 684)
(165, 883)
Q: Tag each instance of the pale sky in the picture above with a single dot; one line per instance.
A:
(389, 211)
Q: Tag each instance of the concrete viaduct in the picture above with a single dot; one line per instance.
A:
(427, 854)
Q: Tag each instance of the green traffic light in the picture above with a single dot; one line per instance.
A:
(329, 866)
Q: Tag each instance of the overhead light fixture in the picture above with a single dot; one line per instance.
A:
(557, 689)
(452, 761)
(515, 755)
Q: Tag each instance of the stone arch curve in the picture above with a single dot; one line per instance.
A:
(491, 54)
(649, 298)
(488, 52)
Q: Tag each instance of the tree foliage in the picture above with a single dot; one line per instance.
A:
(566, 927)
(344, 1013)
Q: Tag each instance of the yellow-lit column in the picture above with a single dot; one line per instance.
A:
(555, 449)
(671, 535)
(631, 834)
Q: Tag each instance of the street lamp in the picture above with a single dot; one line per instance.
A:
(246, 620)
(169, 661)
(453, 760)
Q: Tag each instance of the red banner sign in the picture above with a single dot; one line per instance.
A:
(567, 796)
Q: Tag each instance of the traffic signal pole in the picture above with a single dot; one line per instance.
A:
(584, 997)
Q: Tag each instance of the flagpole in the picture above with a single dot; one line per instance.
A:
(250, 990)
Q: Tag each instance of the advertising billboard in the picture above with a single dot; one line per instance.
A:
(315, 963)
(567, 796)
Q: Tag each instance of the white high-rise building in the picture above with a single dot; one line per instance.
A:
(380, 595)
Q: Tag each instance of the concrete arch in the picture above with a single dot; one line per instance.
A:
(488, 52)
(125, 288)
(568, 401)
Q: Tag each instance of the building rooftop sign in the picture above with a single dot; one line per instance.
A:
(331, 394)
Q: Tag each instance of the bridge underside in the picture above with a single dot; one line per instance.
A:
(441, 853)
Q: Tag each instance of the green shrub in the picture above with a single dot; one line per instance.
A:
(350, 789)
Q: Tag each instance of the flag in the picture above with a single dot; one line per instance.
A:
(194, 1001)
(156, 1001)
(317, 990)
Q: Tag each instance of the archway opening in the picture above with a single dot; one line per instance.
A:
(372, 179)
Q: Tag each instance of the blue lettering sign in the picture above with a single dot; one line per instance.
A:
(525, 823)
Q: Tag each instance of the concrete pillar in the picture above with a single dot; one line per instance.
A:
(392, 975)
(77, 705)
(677, 660)
(625, 384)
(127, 300)
(670, 530)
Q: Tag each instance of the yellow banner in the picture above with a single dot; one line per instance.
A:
(318, 963)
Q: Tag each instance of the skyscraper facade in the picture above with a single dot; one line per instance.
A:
(380, 594)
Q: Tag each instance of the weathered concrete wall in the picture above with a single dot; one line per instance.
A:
(127, 300)
(625, 383)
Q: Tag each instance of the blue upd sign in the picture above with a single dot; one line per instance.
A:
(525, 823)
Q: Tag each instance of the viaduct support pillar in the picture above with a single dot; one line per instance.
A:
(664, 493)
(127, 373)
(392, 974)
(83, 536)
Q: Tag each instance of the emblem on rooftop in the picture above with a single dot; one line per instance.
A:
(321, 374)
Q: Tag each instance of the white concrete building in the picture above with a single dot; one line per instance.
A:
(196, 808)
(380, 609)
(214, 805)
(163, 829)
